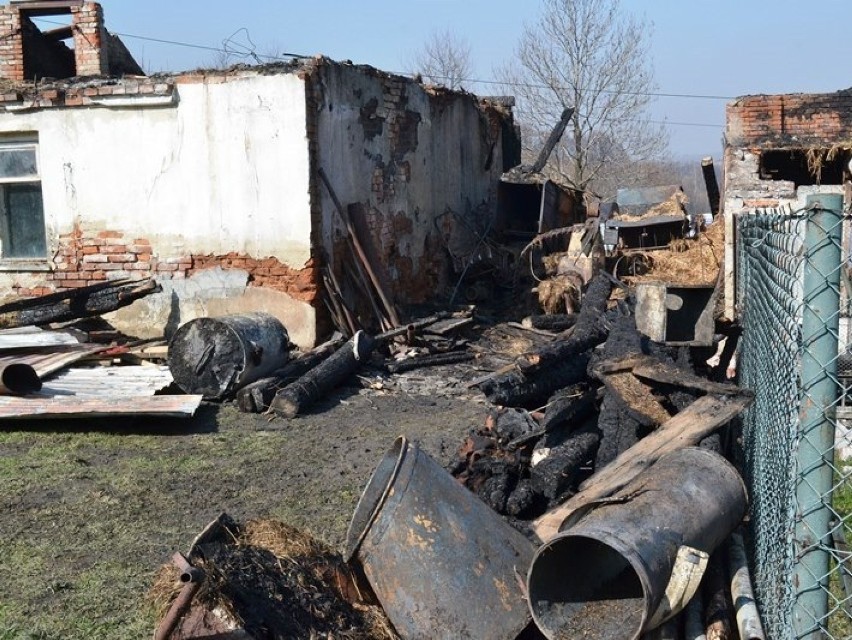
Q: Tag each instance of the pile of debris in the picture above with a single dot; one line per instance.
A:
(82, 370)
(267, 580)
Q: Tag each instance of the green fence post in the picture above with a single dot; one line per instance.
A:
(815, 456)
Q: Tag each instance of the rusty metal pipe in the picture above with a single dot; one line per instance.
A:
(18, 378)
(192, 579)
(608, 576)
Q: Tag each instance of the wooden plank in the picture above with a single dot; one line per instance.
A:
(669, 374)
(638, 397)
(687, 428)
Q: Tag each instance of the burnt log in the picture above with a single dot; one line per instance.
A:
(554, 476)
(539, 373)
(589, 331)
(569, 405)
(516, 389)
(551, 321)
(83, 302)
(433, 360)
(522, 500)
(257, 396)
(620, 427)
(300, 394)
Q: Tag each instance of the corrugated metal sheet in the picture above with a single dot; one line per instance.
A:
(67, 407)
(113, 382)
(33, 337)
(48, 363)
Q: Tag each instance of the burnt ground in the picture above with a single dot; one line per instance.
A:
(90, 510)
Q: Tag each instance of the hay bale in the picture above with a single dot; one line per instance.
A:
(690, 260)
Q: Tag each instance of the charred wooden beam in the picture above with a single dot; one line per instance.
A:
(72, 304)
(257, 396)
(569, 405)
(433, 360)
(539, 373)
(550, 321)
(711, 184)
(556, 474)
(552, 140)
(300, 394)
(515, 388)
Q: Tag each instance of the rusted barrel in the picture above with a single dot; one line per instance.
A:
(441, 562)
(215, 357)
(605, 577)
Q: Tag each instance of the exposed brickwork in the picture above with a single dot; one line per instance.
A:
(11, 44)
(87, 258)
(90, 40)
(790, 121)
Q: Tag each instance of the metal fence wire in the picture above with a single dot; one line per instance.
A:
(789, 274)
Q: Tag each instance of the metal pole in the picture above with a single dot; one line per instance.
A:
(820, 323)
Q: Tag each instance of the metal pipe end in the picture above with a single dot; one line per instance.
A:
(19, 378)
(580, 587)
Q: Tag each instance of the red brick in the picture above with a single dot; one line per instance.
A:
(121, 257)
(114, 248)
(95, 257)
(90, 250)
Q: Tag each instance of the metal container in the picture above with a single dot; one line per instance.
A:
(608, 575)
(442, 564)
(215, 357)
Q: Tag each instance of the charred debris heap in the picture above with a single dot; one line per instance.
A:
(597, 496)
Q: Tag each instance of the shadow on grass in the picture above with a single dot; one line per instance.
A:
(205, 420)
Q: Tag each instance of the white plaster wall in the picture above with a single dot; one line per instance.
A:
(225, 170)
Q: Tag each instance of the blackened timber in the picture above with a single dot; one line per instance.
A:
(711, 184)
(433, 360)
(559, 364)
(554, 476)
(551, 321)
(589, 331)
(83, 302)
(517, 389)
(257, 396)
(568, 405)
(300, 394)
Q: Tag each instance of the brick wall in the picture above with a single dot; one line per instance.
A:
(91, 50)
(87, 258)
(90, 40)
(790, 121)
(11, 44)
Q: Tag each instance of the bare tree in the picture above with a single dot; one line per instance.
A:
(444, 59)
(586, 54)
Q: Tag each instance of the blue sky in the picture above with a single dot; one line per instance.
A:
(723, 48)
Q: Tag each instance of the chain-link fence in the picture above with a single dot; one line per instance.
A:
(789, 268)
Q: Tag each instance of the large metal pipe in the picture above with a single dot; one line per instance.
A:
(215, 357)
(442, 563)
(18, 378)
(606, 577)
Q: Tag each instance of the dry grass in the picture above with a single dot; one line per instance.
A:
(688, 261)
(553, 291)
(676, 204)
